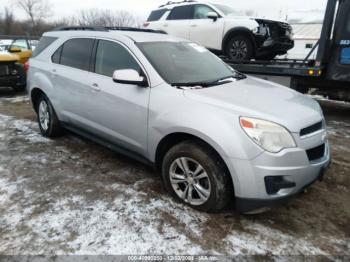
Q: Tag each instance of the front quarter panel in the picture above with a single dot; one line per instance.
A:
(216, 126)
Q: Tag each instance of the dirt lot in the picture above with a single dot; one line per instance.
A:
(71, 196)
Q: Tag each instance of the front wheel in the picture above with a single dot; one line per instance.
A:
(193, 173)
(239, 49)
(48, 122)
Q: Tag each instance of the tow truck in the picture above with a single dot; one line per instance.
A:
(329, 73)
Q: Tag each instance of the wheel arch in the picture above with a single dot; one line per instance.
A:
(35, 94)
(172, 139)
(238, 31)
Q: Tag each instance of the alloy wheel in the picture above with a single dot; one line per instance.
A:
(190, 181)
(44, 115)
(239, 50)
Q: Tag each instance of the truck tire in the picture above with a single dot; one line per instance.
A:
(239, 48)
(47, 119)
(194, 174)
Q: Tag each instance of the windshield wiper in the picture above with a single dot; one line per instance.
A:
(220, 81)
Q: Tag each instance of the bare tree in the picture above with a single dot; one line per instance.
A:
(8, 20)
(104, 17)
(36, 10)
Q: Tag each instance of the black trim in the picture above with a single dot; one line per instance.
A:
(246, 205)
(311, 129)
(106, 143)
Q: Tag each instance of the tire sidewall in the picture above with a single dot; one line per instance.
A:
(212, 167)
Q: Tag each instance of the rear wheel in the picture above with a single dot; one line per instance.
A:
(195, 175)
(48, 122)
(239, 48)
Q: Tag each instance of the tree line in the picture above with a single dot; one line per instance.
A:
(38, 13)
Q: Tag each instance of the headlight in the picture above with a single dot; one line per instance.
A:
(270, 136)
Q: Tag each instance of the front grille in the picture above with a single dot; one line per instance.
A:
(311, 129)
(4, 70)
(316, 153)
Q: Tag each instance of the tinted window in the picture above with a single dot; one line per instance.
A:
(156, 15)
(181, 13)
(201, 11)
(45, 41)
(111, 56)
(76, 53)
(56, 57)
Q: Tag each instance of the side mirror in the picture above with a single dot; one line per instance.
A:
(129, 76)
(213, 15)
(15, 50)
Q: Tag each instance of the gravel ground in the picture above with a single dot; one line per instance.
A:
(71, 196)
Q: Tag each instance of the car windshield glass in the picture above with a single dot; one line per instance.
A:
(226, 9)
(186, 64)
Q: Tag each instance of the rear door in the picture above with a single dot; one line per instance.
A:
(71, 78)
(339, 67)
(206, 31)
(178, 22)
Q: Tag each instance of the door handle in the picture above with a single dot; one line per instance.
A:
(95, 87)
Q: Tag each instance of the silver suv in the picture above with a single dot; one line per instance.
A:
(216, 135)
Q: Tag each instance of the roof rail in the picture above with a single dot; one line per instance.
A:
(105, 29)
(179, 2)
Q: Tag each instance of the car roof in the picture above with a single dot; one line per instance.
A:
(170, 5)
(115, 34)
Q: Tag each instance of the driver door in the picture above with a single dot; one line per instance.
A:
(205, 31)
(114, 111)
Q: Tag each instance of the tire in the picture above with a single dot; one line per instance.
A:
(47, 119)
(214, 177)
(239, 48)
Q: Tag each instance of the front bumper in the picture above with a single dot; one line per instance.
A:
(292, 165)
(276, 46)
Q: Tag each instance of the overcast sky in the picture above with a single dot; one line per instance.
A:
(264, 8)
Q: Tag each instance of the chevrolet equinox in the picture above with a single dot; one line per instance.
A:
(216, 135)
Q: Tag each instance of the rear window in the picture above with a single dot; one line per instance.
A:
(45, 41)
(77, 52)
(156, 15)
(181, 13)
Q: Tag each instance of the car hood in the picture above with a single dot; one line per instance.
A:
(8, 57)
(261, 99)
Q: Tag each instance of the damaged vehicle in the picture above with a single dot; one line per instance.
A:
(221, 29)
(13, 57)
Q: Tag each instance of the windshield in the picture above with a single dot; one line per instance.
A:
(226, 9)
(186, 63)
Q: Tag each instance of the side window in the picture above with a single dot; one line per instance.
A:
(156, 15)
(201, 11)
(45, 41)
(21, 44)
(181, 13)
(56, 57)
(76, 53)
(111, 56)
